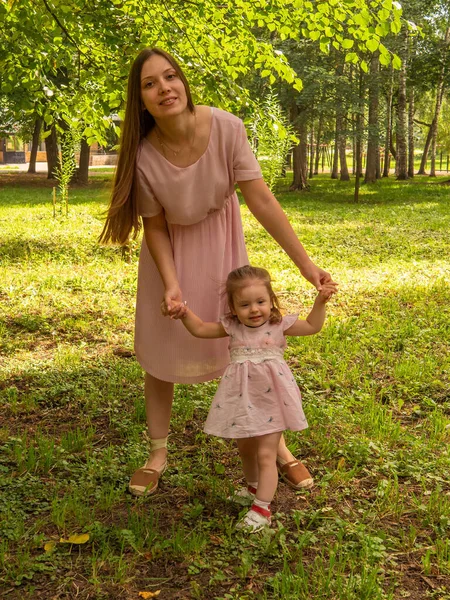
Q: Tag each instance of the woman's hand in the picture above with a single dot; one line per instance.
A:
(317, 276)
(327, 291)
(172, 305)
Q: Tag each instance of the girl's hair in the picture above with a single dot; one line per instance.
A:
(122, 220)
(239, 278)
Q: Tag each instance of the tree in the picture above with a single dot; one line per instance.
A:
(373, 134)
(58, 54)
(401, 159)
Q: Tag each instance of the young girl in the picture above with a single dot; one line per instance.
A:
(257, 398)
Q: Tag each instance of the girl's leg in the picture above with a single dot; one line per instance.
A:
(248, 452)
(267, 466)
(158, 408)
(259, 514)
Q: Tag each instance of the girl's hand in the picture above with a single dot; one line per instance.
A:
(317, 276)
(172, 305)
(327, 291)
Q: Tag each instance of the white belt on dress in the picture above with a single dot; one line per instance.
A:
(256, 355)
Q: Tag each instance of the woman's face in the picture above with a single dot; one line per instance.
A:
(162, 91)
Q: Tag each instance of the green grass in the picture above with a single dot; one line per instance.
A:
(375, 387)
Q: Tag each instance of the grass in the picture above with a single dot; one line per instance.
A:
(375, 386)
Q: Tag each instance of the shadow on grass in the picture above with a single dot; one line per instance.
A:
(35, 190)
(22, 249)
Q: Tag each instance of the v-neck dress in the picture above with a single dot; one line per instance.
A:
(204, 223)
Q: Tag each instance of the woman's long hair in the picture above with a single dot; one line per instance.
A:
(122, 220)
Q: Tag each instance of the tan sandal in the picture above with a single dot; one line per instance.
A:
(144, 481)
(295, 474)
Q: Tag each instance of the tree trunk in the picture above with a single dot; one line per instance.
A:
(51, 147)
(35, 145)
(340, 129)
(319, 135)
(411, 132)
(388, 138)
(439, 96)
(372, 139)
(300, 152)
(423, 160)
(83, 167)
(311, 154)
(358, 134)
(335, 167)
(402, 163)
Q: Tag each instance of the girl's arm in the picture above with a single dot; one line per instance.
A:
(160, 247)
(200, 329)
(315, 320)
(265, 207)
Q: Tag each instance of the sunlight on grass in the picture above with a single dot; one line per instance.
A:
(375, 385)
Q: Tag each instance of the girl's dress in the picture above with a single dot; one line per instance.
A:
(258, 393)
(204, 222)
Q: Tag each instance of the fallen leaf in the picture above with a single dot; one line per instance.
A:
(78, 538)
(48, 546)
(149, 594)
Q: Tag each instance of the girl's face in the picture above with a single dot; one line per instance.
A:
(162, 91)
(252, 304)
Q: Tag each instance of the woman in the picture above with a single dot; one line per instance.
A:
(177, 168)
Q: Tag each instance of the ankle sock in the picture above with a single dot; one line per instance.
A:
(252, 486)
(261, 507)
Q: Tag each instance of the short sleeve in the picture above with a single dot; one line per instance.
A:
(227, 323)
(148, 205)
(288, 321)
(245, 165)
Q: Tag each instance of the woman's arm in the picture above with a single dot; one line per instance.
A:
(200, 329)
(160, 247)
(265, 207)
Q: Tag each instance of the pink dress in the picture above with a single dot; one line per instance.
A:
(204, 222)
(258, 393)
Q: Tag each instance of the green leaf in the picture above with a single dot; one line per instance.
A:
(351, 57)
(372, 44)
(385, 59)
(396, 27)
(347, 44)
(364, 66)
(396, 62)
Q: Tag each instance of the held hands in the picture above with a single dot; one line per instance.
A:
(326, 292)
(172, 305)
(318, 277)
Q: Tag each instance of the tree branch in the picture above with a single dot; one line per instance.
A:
(422, 123)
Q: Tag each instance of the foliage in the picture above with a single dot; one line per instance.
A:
(272, 138)
(375, 395)
(62, 60)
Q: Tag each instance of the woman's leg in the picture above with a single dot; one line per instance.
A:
(158, 408)
(283, 451)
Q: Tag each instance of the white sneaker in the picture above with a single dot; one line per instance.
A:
(243, 496)
(254, 521)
